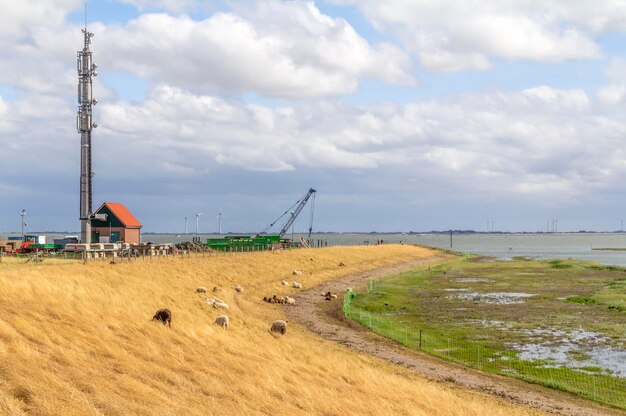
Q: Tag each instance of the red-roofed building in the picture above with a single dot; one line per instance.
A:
(120, 225)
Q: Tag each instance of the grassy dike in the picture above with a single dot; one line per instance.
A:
(77, 340)
(547, 322)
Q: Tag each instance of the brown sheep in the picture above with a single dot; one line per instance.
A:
(279, 326)
(163, 315)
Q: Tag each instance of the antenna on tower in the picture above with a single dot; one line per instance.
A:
(84, 124)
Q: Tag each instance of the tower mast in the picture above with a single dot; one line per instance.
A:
(84, 124)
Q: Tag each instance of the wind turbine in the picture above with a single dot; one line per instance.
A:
(219, 221)
(23, 215)
(186, 225)
(198, 220)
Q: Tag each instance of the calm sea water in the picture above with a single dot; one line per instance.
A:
(561, 245)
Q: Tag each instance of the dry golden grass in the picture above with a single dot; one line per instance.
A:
(77, 340)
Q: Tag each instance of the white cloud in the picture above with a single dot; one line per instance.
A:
(172, 5)
(534, 142)
(614, 92)
(287, 50)
(449, 35)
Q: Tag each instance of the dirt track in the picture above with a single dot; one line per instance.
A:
(327, 320)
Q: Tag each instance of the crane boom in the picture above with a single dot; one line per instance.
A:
(299, 205)
(296, 212)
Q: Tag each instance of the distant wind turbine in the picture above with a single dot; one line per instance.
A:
(198, 221)
(219, 220)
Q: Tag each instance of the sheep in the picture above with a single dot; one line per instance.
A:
(163, 315)
(278, 300)
(297, 273)
(201, 289)
(214, 300)
(290, 301)
(238, 288)
(266, 299)
(330, 295)
(342, 264)
(217, 303)
(296, 285)
(221, 305)
(217, 289)
(279, 326)
(222, 321)
(284, 283)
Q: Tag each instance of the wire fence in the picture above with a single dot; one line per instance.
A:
(587, 382)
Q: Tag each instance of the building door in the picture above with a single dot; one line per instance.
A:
(95, 236)
(115, 236)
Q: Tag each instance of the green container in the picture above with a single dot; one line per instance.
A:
(243, 243)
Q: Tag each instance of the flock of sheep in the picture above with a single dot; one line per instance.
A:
(278, 326)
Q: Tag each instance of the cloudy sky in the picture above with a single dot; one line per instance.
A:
(403, 114)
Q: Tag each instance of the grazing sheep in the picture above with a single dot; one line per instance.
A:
(217, 289)
(279, 326)
(238, 288)
(214, 300)
(163, 315)
(217, 303)
(278, 300)
(290, 301)
(330, 295)
(284, 283)
(296, 285)
(297, 273)
(201, 289)
(342, 264)
(266, 299)
(222, 321)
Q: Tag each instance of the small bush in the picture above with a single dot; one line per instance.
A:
(582, 299)
(558, 264)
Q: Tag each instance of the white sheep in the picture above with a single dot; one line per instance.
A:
(217, 303)
(238, 288)
(222, 321)
(279, 326)
(290, 301)
(284, 283)
(296, 285)
(201, 289)
(297, 273)
(220, 305)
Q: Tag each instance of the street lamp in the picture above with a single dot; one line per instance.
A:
(23, 215)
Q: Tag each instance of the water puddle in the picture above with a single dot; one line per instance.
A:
(578, 349)
(495, 298)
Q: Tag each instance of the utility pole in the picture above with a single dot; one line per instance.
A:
(84, 125)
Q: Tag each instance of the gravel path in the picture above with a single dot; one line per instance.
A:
(326, 319)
